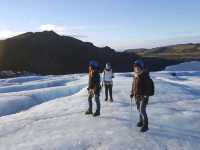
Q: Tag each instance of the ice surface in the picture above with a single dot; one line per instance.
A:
(47, 113)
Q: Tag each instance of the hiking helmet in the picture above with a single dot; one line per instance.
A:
(108, 66)
(139, 63)
(94, 64)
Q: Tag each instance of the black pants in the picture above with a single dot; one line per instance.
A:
(97, 100)
(141, 102)
(108, 88)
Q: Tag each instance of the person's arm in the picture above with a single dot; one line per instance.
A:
(147, 99)
(113, 75)
(91, 81)
(103, 77)
(132, 89)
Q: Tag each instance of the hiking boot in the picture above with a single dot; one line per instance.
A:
(144, 129)
(88, 112)
(111, 100)
(96, 114)
(139, 124)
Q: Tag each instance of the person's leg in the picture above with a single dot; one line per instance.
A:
(89, 111)
(110, 92)
(106, 92)
(138, 101)
(97, 113)
(143, 105)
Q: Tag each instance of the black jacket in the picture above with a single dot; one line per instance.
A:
(94, 82)
(139, 86)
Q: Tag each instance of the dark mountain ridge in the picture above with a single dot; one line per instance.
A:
(49, 53)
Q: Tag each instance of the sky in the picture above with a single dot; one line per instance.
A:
(120, 24)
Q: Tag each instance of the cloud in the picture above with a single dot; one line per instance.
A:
(67, 30)
(62, 30)
(4, 34)
(78, 36)
(52, 27)
(73, 31)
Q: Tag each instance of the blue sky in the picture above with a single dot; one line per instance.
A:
(121, 24)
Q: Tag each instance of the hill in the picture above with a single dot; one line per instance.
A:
(49, 53)
(179, 51)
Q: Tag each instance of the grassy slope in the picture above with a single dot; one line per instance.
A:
(182, 51)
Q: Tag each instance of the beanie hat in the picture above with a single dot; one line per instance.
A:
(139, 63)
(94, 64)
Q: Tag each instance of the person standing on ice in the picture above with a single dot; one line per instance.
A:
(94, 87)
(142, 88)
(107, 81)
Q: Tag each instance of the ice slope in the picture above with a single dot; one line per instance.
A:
(47, 113)
(24, 92)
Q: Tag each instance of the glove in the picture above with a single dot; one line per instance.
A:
(100, 88)
(131, 96)
(91, 92)
(88, 88)
(146, 100)
(102, 84)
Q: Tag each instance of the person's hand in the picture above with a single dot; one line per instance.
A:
(88, 88)
(91, 92)
(131, 96)
(100, 87)
(146, 100)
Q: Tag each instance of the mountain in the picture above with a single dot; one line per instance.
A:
(49, 53)
(140, 50)
(179, 51)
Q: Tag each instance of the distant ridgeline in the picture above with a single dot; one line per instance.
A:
(49, 53)
(179, 51)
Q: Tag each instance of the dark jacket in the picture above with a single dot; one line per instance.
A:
(94, 82)
(139, 86)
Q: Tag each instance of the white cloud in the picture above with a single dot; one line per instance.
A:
(74, 31)
(67, 30)
(52, 27)
(4, 34)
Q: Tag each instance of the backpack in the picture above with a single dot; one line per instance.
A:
(150, 88)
